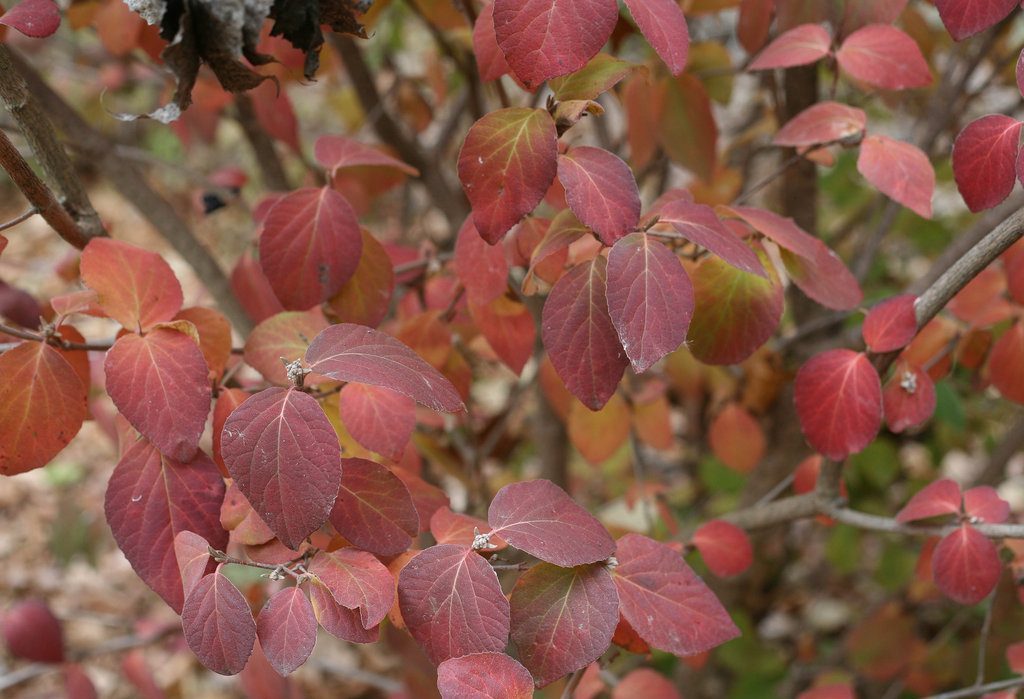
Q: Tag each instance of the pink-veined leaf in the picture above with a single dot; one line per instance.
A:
(543, 39)
(908, 399)
(150, 499)
(824, 122)
(506, 164)
(484, 676)
(562, 618)
(218, 625)
(374, 509)
(357, 580)
(490, 60)
(449, 527)
(452, 603)
(580, 337)
(1005, 361)
(736, 438)
(941, 497)
(699, 224)
(650, 299)
(891, 324)
(348, 352)
(337, 620)
(135, 287)
(283, 454)
(964, 18)
(647, 683)
(984, 503)
(286, 628)
(310, 246)
(664, 600)
(725, 548)
(884, 56)
(337, 152)
(379, 419)
(481, 268)
(192, 552)
(32, 632)
(283, 335)
(366, 297)
(158, 381)
(984, 160)
(799, 46)
(899, 170)
(37, 19)
(839, 402)
(600, 190)
(541, 519)
(966, 566)
(664, 26)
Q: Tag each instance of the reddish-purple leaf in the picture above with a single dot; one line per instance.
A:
(310, 246)
(579, 336)
(482, 268)
(427, 498)
(77, 684)
(891, 324)
(699, 224)
(600, 190)
(984, 503)
(839, 402)
(218, 625)
(1019, 72)
(283, 454)
(650, 299)
(725, 548)
(490, 60)
(484, 676)
(664, 26)
(149, 500)
(563, 618)
(32, 632)
(899, 170)
(884, 56)
(823, 122)
(357, 580)
(966, 566)
(452, 603)
(1005, 361)
(337, 152)
(159, 383)
(348, 352)
(337, 620)
(941, 497)
(379, 419)
(664, 600)
(374, 509)
(135, 287)
(539, 518)
(192, 552)
(509, 329)
(286, 628)
(282, 336)
(984, 160)
(33, 18)
(506, 164)
(449, 527)
(799, 46)
(964, 18)
(908, 398)
(543, 39)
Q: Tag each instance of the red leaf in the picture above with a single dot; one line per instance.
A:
(310, 246)
(214, 336)
(1005, 362)
(984, 503)
(427, 498)
(600, 190)
(159, 383)
(964, 18)
(227, 400)
(799, 46)
(490, 60)
(284, 335)
(664, 26)
(135, 287)
(839, 402)
(482, 268)
(884, 56)
(357, 580)
(337, 620)
(899, 170)
(484, 676)
(966, 566)
(736, 438)
(665, 602)
(725, 548)
(650, 299)
(260, 681)
(1019, 73)
(286, 628)
(684, 124)
(507, 163)
(77, 684)
(449, 527)
(253, 290)
(908, 398)
(379, 419)
(192, 552)
(824, 122)
(348, 352)
(984, 160)
(283, 454)
(699, 224)
(941, 497)
(539, 518)
(218, 625)
(891, 324)
(452, 603)
(33, 18)
(579, 336)
(1015, 657)
(366, 297)
(509, 329)
(562, 618)
(42, 406)
(374, 509)
(337, 152)
(543, 39)
(150, 499)
(599, 434)
(647, 683)
(32, 632)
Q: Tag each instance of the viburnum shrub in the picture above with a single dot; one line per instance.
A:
(640, 235)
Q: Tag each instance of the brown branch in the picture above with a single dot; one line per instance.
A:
(271, 167)
(57, 341)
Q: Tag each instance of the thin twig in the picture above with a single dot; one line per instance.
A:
(980, 690)
(24, 216)
(572, 683)
(986, 629)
